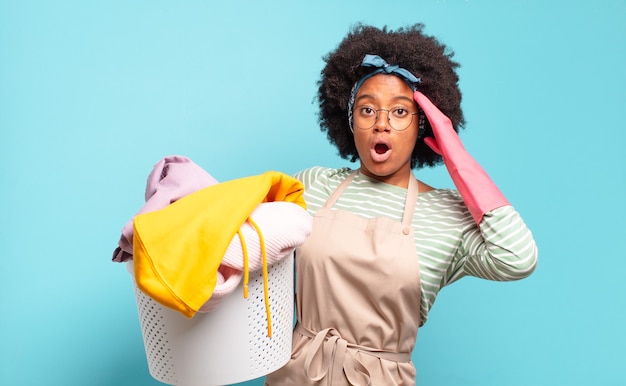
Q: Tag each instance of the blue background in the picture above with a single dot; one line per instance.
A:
(92, 94)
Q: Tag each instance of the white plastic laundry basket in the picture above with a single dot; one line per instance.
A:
(227, 345)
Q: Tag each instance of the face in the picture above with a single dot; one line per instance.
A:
(384, 153)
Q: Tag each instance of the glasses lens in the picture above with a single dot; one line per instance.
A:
(364, 117)
(400, 119)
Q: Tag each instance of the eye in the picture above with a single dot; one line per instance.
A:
(400, 112)
(367, 111)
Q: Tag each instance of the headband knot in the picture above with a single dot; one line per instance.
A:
(383, 67)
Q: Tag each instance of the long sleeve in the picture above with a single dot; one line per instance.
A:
(501, 249)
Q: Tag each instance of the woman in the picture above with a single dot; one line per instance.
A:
(383, 243)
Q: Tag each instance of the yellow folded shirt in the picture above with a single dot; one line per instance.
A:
(178, 249)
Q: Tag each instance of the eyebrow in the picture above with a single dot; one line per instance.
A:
(401, 97)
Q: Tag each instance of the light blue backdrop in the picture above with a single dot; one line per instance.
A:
(92, 94)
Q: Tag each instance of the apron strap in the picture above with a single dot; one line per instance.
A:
(335, 195)
(409, 203)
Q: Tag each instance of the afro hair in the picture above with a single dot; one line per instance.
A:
(424, 56)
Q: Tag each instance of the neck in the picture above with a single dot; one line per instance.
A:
(397, 179)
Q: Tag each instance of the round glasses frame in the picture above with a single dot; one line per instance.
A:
(363, 123)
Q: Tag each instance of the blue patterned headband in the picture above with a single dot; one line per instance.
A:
(382, 67)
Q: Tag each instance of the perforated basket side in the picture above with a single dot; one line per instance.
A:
(156, 341)
(227, 345)
(269, 354)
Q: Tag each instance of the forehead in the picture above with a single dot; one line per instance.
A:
(385, 87)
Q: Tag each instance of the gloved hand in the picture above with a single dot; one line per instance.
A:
(479, 193)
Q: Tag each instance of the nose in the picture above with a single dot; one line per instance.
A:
(382, 123)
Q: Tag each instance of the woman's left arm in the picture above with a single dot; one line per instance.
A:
(501, 248)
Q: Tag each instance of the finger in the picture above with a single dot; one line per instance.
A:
(434, 115)
(425, 103)
(432, 143)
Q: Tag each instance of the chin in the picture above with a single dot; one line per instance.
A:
(380, 171)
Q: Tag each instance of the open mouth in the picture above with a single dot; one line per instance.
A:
(381, 148)
(380, 151)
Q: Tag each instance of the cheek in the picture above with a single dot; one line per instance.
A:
(408, 142)
(360, 141)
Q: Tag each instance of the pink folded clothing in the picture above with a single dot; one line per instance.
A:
(284, 226)
(172, 178)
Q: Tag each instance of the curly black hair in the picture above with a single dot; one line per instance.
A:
(424, 56)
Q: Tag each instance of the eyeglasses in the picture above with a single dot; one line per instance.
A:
(366, 117)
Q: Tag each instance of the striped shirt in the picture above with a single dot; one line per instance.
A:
(449, 244)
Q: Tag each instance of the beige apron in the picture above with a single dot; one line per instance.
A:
(359, 281)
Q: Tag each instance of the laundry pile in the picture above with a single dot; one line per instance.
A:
(196, 239)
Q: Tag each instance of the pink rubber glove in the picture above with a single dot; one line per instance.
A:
(479, 193)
